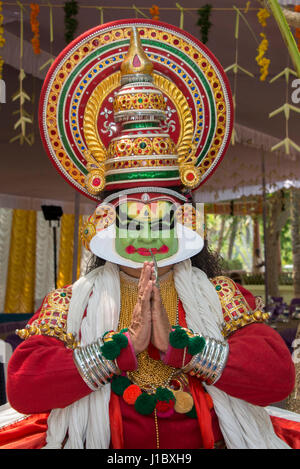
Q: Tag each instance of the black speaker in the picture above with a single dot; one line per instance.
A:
(53, 213)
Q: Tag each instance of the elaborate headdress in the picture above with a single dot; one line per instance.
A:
(135, 106)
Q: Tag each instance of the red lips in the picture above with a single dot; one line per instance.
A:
(145, 251)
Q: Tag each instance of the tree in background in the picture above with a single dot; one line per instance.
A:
(295, 230)
(278, 214)
(232, 236)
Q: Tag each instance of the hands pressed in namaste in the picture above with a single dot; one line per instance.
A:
(149, 318)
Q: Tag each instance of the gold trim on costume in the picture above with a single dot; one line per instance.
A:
(236, 311)
(52, 320)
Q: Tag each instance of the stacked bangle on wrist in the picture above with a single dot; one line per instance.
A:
(93, 367)
(209, 364)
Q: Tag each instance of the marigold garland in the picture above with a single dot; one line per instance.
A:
(35, 27)
(154, 12)
(261, 60)
(262, 16)
(297, 32)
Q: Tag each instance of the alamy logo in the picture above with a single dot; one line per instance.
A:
(296, 94)
(2, 92)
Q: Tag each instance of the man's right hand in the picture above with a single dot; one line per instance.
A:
(140, 327)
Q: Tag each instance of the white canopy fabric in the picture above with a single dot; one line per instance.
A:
(240, 173)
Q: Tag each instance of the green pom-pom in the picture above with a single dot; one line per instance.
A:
(121, 340)
(119, 384)
(125, 329)
(192, 413)
(145, 404)
(110, 350)
(196, 345)
(164, 394)
(179, 338)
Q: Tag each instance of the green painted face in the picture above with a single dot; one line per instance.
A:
(141, 227)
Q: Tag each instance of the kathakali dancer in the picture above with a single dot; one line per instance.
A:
(153, 347)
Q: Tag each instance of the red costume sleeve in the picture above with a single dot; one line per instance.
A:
(259, 369)
(43, 376)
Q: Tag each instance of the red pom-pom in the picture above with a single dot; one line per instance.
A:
(131, 394)
(163, 406)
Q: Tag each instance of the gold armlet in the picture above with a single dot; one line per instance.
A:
(236, 311)
(45, 329)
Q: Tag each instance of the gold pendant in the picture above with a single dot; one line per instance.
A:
(184, 402)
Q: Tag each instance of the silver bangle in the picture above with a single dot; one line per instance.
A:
(210, 363)
(94, 369)
(107, 364)
(206, 368)
(203, 363)
(221, 364)
(89, 364)
(81, 367)
(107, 367)
(96, 366)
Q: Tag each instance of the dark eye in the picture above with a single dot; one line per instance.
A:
(133, 226)
(124, 224)
(158, 226)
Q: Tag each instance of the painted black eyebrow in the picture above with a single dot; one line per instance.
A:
(133, 220)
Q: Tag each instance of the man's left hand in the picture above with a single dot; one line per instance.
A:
(161, 327)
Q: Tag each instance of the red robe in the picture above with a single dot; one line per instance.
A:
(42, 376)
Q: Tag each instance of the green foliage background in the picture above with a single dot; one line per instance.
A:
(242, 248)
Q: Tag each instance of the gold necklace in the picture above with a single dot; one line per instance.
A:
(150, 373)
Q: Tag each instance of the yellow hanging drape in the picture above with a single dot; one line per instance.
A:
(64, 273)
(66, 245)
(21, 267)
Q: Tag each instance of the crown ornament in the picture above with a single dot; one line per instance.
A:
(132, 104)
(143, 150)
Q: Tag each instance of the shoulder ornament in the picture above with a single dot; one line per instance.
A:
(236, 311)
(52, 320)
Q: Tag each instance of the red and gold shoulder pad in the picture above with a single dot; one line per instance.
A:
(52, 319)
(236, 310)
